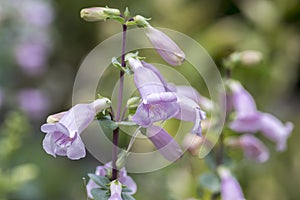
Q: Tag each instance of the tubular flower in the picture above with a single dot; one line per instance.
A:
(230, 188)
(165, 46)
(253, 148)
(164, 143)
(63, 137)
(157, 104)
(115, 190)
(124, 179)
(275, 130)
(190, 111)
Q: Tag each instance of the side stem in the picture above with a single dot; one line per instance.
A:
(119, 107)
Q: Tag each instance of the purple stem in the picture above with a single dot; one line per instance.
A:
(119, 107)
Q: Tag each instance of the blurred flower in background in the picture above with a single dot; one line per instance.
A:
(43, 42)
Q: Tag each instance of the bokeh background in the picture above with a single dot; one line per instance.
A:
(42, 43)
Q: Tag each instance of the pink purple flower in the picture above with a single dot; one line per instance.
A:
(115, 190)
(165, 46)
(164, 143)
(230, 188)
(123, 178)
(63, 137)
(253, 148)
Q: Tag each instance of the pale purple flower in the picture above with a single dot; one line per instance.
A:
(37, 13)
(123, 178)
(193, 94)
(275, 130)
(247, 116)
(63, 137)
(164, 143)
(230, 188)
(115, 190)
(253, 148)
(32, 56)
(190, 111)
(157, 104)
(33, 102)
(249, 119)
(165, 46)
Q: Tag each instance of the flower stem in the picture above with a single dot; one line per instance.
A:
(119, 107)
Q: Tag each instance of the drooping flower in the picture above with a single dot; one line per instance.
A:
(230, 188)
(63, 137)
(164, 143)
(253, 148)
(115, 190)
(163, 44)
(249, 119)
(275, 130)
(123, 178)
(189, 110)
(157, 104)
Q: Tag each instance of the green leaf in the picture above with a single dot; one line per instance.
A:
(100, 180)
(100, 194)
(127, 197)
(130, 23)
(210, 182)
(127, 13)
(107, 124)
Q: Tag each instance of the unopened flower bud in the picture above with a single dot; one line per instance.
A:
(121, 160)
(133, 102)
(98, 13)
(250, 57)
(55, 117)
(141, 21)
(165, 46)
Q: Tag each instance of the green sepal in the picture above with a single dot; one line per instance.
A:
(107, 124)
(117, 18)
(118, 65)
(100, 194)
(103, 182)
(127, 13)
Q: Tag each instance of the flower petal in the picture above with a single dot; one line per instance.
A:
(164, 143)
(77, 149)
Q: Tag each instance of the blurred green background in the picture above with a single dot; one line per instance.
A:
(42, 43)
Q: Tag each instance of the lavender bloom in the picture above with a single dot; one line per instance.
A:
(247, 116)
(253, 148)
(165, 143)
(165, 46)
(124, 179)
(33, 102)
(38, 13)
(190, 111)
(230, 188)
(275, 130)
(63, 137)
(32, 57)
(157, 104)
(193, 94)
(115, 190)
